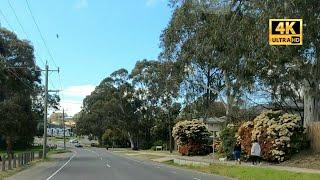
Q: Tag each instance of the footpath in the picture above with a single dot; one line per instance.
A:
(163, 156)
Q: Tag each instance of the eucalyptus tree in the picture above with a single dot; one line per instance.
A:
(292, 72)
(19, 82)
(211, 43)
(157, 86)
(112, 105)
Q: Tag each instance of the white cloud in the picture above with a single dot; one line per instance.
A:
(71, 107)
(81, 4)
(153, 2)
(78, 91)
(72, 97)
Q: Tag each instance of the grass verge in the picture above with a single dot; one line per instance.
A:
(8, 173)
(252, 173)
(58, 151)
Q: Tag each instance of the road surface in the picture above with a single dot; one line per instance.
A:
(96, 164)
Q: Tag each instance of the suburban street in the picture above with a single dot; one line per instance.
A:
(95, 163)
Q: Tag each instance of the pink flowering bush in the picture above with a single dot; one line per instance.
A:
(192, 137)
(280, 135)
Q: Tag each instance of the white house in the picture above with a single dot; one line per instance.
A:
(57, 130)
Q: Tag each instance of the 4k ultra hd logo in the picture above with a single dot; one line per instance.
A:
(285, 31)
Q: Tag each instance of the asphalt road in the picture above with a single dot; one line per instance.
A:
(96, 164)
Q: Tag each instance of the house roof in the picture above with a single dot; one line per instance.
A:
(214, 120)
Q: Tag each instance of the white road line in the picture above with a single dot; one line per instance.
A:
(174, 172)
(108, 166)
(196, 179)
(61, 167)
(101, 158)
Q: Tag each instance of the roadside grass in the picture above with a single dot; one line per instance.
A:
(147, 156)
(8, 173)
(252, 173)
(304, 159)
(58, 151)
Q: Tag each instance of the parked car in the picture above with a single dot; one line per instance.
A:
(74, 141)
(94, 145)
(78, 145)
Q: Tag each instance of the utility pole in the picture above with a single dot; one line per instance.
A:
(64, 131)
(44, 148)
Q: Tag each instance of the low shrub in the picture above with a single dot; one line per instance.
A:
(193, 149)
(157, 143)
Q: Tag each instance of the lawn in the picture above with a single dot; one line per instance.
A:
(252, 173)
(58, 151)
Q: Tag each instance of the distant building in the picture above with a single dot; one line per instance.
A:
(57, 130)
(214, 124)
(289, 107)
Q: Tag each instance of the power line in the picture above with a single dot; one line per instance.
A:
(15, 14)
(51, 83)
(17, 76)
(5, 18)
(61, 88)
(42, 38)
(11, 27)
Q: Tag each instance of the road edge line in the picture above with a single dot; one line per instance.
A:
(52, 175)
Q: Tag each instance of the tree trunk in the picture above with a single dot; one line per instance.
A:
(132, 145)
(230, 98)
(9, 146)
(311, 107)
(208, 90)
(170, 138)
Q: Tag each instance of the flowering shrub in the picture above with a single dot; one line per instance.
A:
(279, 135)
(191, 136)
(228, 140)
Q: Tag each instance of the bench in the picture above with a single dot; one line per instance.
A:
(159, 148)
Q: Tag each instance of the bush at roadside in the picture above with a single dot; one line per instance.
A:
(192, 137)
(279, 135)
(228, 140)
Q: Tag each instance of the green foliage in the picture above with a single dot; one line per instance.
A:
(228, 140)
(19, 93)
(107, 138)
(139, 106)
(158, 143)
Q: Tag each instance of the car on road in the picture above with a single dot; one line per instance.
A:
(78, 145)
(94, 145)
(74, 141)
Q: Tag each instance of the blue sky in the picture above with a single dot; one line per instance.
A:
(96, 37)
